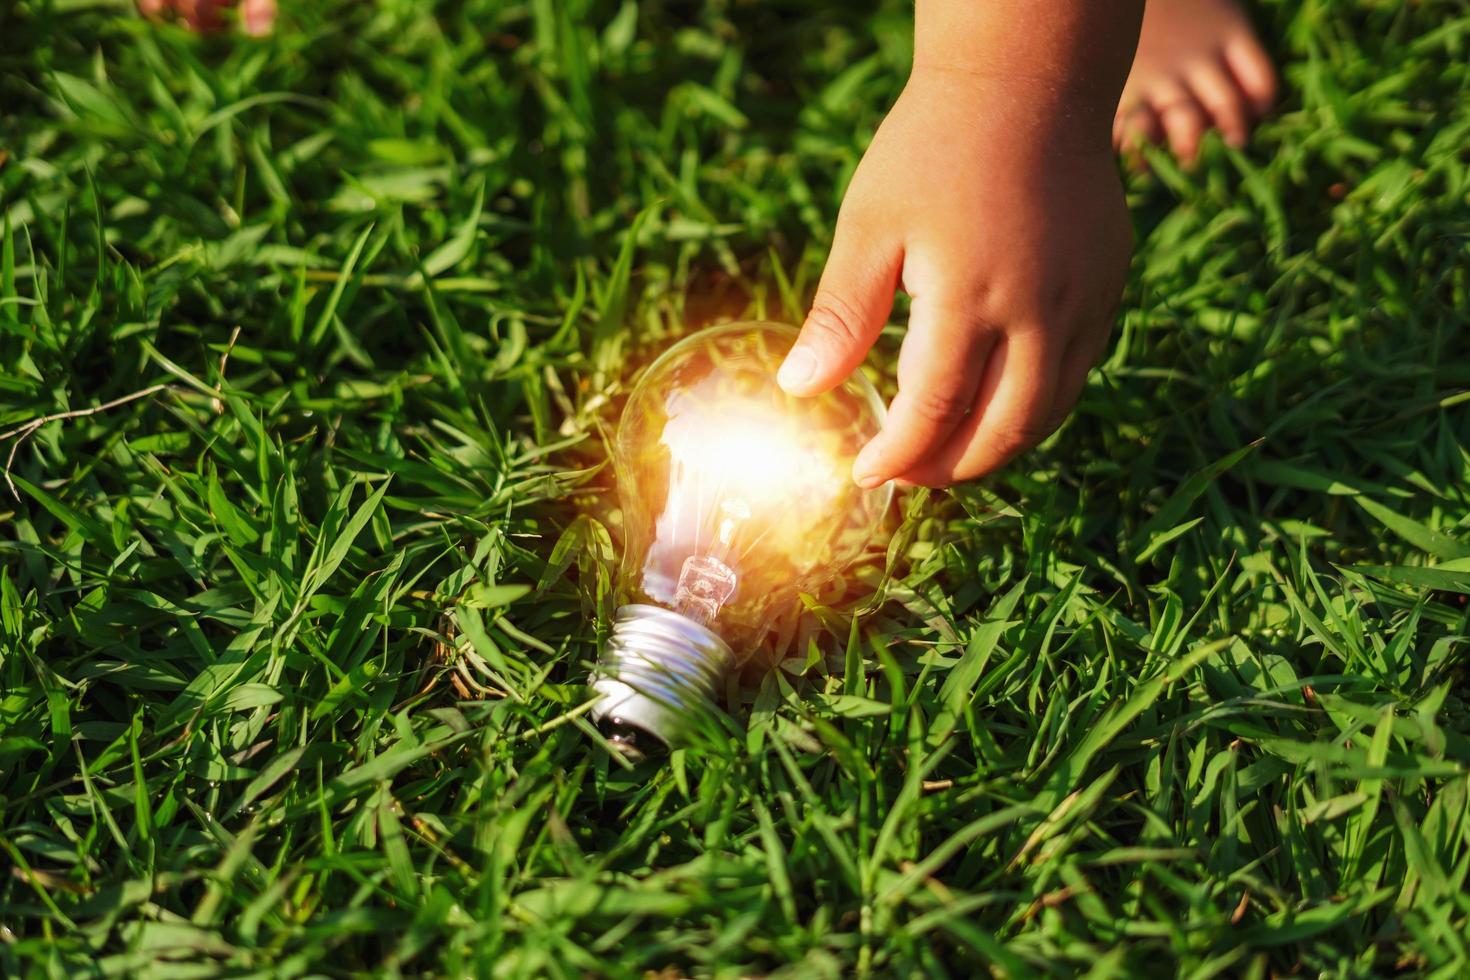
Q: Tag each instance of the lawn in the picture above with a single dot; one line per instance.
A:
(297, 600)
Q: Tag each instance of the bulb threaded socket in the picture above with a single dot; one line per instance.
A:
(658, 672)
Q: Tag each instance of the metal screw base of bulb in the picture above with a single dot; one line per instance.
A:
(659, 670)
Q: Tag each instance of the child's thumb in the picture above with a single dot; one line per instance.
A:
(852, 304)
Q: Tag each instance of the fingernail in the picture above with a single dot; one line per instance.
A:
(797, 370)
(865, 471)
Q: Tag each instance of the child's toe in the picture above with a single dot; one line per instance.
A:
(1253, 72)
(1183, 119)
(1215, 89)
(257, 16)
(1136, 127)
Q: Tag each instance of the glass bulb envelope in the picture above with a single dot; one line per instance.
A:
(736, 498)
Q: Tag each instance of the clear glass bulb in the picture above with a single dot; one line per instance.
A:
(736, 498)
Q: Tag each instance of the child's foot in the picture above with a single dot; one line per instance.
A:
(1199, 66)
(256, 16)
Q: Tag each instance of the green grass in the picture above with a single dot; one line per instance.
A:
(1181, 692)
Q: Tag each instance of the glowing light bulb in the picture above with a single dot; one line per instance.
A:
(736, 498)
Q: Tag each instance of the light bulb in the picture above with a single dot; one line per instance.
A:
(736, 498)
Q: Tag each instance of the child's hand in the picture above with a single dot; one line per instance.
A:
(997, 205)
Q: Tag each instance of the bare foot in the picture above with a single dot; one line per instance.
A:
(256, 16)
(1199, 66)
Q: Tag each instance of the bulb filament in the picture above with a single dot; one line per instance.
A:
(705, 585)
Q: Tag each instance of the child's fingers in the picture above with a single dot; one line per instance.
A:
(1011, 413)
(852, 304)
(1076, 365)
(939, 372)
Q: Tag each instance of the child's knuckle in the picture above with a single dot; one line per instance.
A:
(1016, 438)
(942, 406)
(836, 318)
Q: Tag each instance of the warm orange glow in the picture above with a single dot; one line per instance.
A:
(738, 497)
(750, 452)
